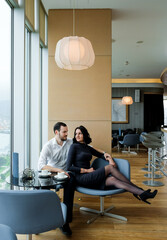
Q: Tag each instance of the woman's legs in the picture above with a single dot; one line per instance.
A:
(117, 174)
(118, 180)
(113, 181)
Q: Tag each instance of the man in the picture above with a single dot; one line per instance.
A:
(53, 158)
(54, 154)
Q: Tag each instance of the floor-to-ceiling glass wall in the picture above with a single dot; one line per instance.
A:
(27, 95)
(40, 102)
(5, 92)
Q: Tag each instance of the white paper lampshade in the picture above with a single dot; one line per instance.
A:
(74, 53)
(163, 76)
(127, 100)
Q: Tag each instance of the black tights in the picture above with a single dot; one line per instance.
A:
(118, 180)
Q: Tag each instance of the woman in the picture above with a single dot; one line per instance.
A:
(79, 157)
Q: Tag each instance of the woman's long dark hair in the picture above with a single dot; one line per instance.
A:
(85, 133)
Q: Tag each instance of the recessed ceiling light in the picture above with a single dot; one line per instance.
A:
(139, 42)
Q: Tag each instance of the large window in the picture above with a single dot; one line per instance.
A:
(41, 97)
(27, 95)
(5, 92)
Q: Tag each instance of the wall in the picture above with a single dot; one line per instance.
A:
(136, 110)
(82, 97)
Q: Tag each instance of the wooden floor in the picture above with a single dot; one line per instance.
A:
(145, 222)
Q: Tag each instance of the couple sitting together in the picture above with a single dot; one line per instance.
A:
(62, 154)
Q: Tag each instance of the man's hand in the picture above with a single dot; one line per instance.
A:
(64, 172)
(54, 170)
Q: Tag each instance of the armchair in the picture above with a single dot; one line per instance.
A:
(7, 233)
(124, 167)
(31, 212)
(130, 140)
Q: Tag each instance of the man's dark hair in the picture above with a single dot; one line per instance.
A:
(58, 125)
(85, 133)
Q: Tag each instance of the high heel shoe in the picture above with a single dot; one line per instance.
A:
(147, 194)
(137, 196)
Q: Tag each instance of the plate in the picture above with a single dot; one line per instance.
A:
(44, 175)
(60, 179)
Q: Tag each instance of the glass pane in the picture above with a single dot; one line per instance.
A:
(27, 96)
(5, 91)
(41, 77)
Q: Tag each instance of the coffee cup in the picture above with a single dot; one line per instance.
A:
(45, 172)
(61, 174)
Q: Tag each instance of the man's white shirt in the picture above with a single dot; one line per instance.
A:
(54, 155)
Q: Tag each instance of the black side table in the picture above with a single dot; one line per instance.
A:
(37, 182)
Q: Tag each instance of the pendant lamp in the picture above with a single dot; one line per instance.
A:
(127, 100)
(163, 76)
(73, 52)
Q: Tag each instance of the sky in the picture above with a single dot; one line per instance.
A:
(5, 50)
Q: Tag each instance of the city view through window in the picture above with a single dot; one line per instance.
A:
(5, 92)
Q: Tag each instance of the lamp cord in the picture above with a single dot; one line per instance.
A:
(73, 17)
(73, 22)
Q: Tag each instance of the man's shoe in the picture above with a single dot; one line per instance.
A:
(66, 230)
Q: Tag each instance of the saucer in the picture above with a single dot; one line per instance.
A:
(44, 175)
(60, 179)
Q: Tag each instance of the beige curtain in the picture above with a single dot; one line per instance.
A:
(42, 26)
(29, 12)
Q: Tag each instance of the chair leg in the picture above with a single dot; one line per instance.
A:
(115, 216)
(124, 151)
(129, 151)
(102, 212)
(102, 205)
(118, 146)
(89, 210)
(105, 212)
(29, 237)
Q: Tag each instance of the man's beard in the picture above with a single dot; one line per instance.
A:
(62, 139)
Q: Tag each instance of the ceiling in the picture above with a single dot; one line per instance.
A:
(139, 35)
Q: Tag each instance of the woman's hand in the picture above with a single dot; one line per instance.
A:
(107, 156)
(84, 170)
(110, 159)
(90, 170)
